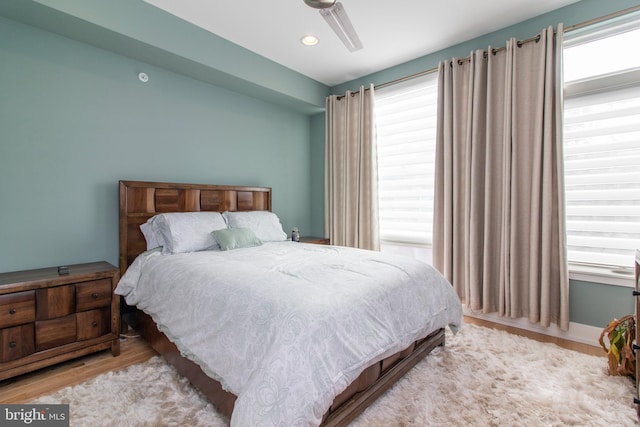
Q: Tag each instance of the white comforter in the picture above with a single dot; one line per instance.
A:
(287, 326)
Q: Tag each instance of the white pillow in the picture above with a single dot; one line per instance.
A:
(179, 232)
(264, 224)
(153, 238)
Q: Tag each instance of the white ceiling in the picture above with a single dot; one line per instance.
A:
(392, 32)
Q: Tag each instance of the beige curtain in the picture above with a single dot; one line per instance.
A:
(499, 228)
(351, 199)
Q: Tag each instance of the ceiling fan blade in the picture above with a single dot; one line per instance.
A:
(338, 20)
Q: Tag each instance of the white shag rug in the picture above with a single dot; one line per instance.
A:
(483, 377)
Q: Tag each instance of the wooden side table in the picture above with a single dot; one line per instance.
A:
(315, 240)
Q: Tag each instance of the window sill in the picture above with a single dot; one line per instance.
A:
(615, 276)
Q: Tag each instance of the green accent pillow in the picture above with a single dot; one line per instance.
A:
(234, 238)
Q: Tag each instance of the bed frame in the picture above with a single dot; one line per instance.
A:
(140, 200)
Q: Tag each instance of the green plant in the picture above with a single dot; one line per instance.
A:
(620, 334)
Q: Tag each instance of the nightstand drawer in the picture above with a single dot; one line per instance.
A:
(16, 342)
(58, 301)
(93, 294)
(17, 308)
(55, 332)
(93, 323)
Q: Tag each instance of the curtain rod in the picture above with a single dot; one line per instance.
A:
(567, 29)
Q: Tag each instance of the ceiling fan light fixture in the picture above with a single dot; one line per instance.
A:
(309, 40)
(338, 20)
(320, 4)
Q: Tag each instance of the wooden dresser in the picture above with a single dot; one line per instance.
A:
(47, 316)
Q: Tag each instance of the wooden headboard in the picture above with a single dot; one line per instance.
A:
(140, 200)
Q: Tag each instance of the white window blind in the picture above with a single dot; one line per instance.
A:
(602, 146)
(406, 133)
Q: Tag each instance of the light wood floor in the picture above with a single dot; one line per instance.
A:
(27, 387)
(134, 350)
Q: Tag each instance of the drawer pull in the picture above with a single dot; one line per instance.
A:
(12, 311)
(94, 323)
(95, 295)
(13, 344)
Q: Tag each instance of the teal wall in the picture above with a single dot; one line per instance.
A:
(597, 304)
(75, 119)
(317, 174)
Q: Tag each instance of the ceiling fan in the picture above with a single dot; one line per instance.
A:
(333, 12)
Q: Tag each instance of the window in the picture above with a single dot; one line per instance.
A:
(406, 138)
(602, 143)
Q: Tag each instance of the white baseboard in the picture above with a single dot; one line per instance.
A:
(577, 332)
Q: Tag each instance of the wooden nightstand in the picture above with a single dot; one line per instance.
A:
(316, 240)
(47, 316)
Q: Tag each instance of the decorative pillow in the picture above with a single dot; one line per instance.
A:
(234, 238)
(179, 232)
(264, 224)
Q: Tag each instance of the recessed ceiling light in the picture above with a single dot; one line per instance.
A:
(309, 40)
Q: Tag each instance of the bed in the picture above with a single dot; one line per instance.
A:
(290, 372)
